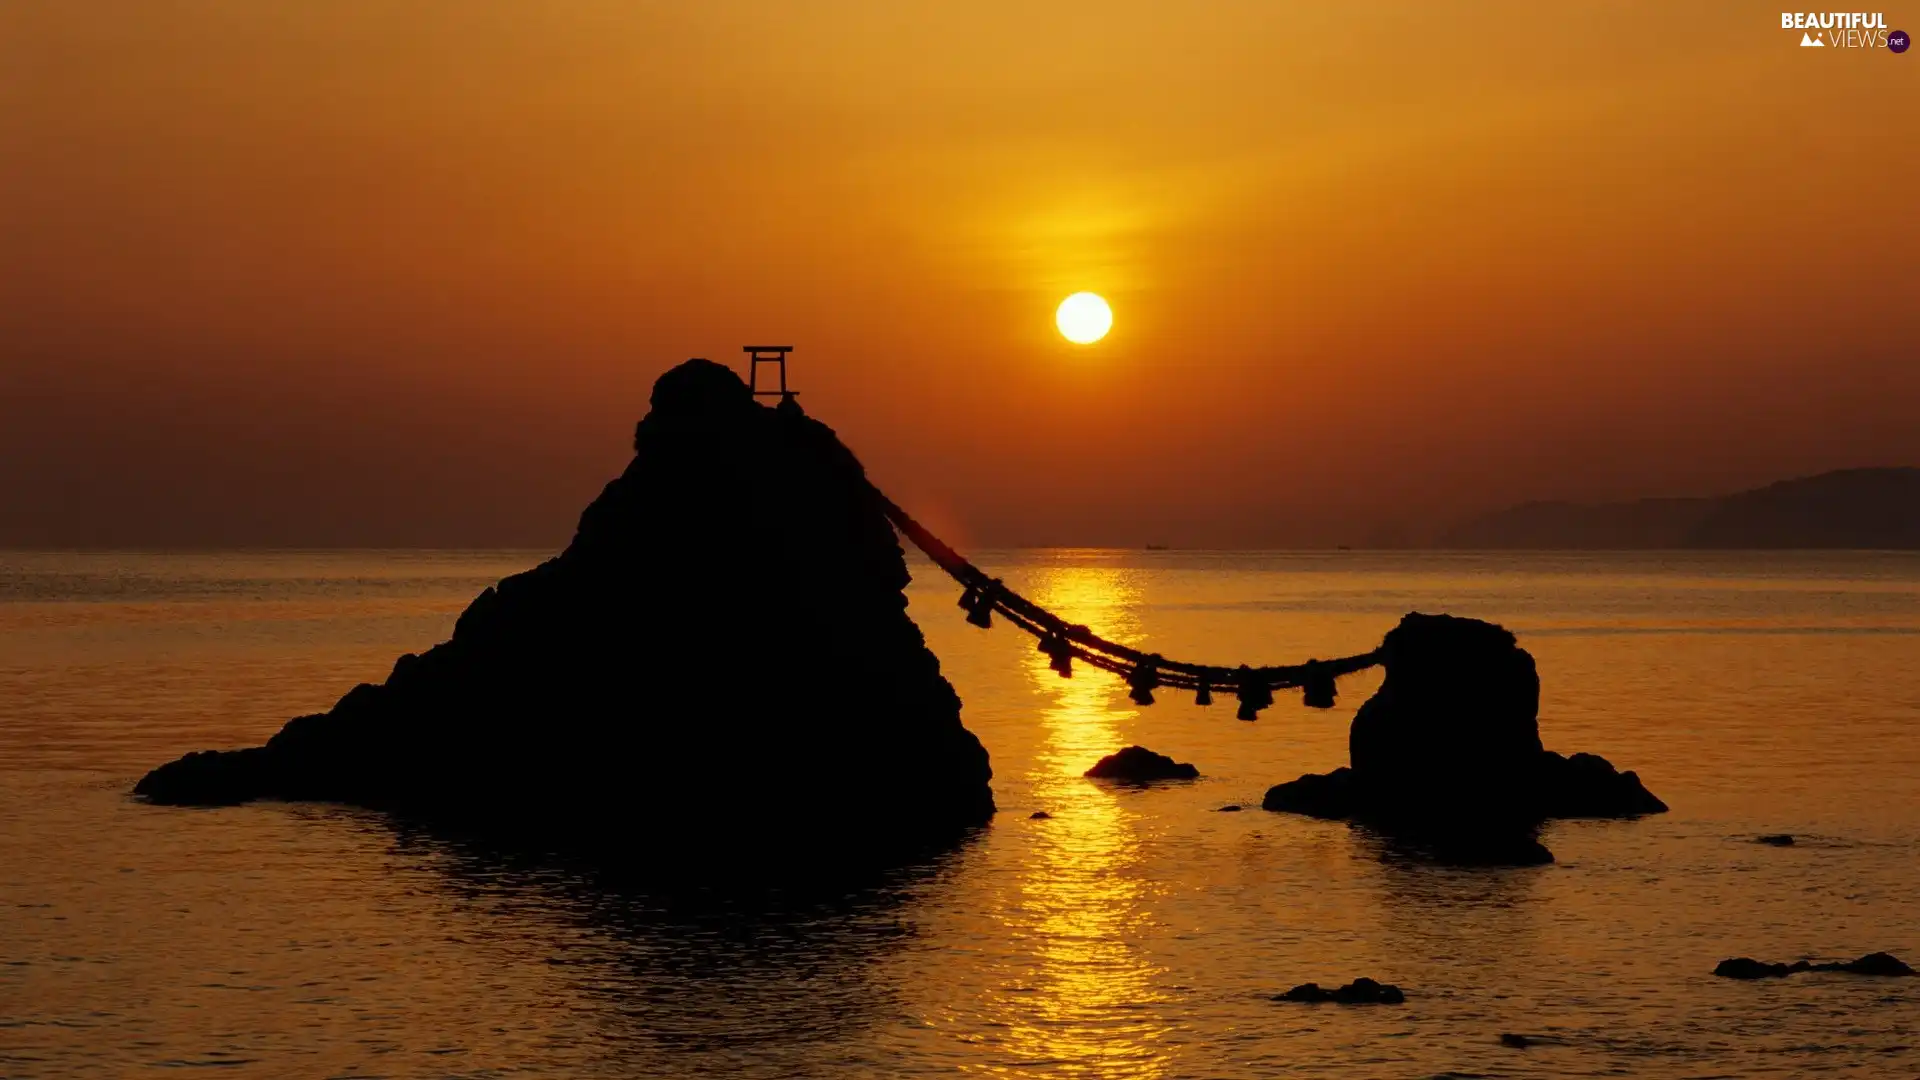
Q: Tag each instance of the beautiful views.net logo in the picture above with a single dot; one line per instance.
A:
(1845, 30)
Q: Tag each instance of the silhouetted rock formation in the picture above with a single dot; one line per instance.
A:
(1879, 964)
(720, 663)
(1447, 753)
(1139, 765)
(1361, 991)
(1775, 840)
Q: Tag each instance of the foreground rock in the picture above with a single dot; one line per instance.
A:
(1139, 765)
(719, 666)
(1879, 963)
(1447, 753)
(1361, 991)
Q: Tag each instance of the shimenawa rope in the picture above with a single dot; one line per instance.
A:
(1063, 642)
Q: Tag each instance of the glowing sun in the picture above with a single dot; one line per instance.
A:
(1083, 318)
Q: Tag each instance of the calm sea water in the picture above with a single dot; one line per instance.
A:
(1134, 934)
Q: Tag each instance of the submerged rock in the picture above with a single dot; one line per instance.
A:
(1775, 840)
(1361, 991)
(1746, 967)
(1139, 765)
(1877, 963)
(1448, 751)
(727, 631)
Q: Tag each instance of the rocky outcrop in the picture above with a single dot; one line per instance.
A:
(1139, 765)
(1447, 753)
(1361, 991)
(720, 663)
(1881, 964)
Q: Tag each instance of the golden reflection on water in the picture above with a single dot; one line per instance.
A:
(1081, 906)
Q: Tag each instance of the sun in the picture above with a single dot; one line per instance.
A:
(1084, 318)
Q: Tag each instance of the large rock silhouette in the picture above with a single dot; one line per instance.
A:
(1447, 753)
(720, 665)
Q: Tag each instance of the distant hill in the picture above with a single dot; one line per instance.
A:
(1848, 508)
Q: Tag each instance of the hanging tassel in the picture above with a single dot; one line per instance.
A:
(1144, 679)
(1059, 654)
(969, 598)
(1317, 685)
(1254, 694)
(980, 613)
(1205, 694)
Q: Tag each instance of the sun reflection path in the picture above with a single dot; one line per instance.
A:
(1082, 906)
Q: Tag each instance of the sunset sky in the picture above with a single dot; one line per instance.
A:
(397, 273)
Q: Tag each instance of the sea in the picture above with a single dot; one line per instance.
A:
(1130, 933)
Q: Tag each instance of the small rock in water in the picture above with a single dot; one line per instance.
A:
(1746, 967)
(1361, 991)
(1518, 1042)
(1230, 808)
(1878, 963)
(1040, 815)
(1775, 839)
(1139, 765)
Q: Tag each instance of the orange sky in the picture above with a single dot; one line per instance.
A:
(402, 273)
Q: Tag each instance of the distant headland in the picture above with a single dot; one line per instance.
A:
(1875, 508)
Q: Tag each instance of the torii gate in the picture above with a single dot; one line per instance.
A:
(768, 354)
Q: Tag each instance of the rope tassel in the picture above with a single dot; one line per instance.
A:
(1317, 686)
(1254, 694)
(980, 611)
(1059, 654)
(1204, 695)
(1144, 680)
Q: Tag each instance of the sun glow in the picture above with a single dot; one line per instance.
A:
(1084, 318)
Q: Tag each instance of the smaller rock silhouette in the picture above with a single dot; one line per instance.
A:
(1446, 756)
(1040, 815)
(1139, 765)
(1775, 839)
(1877, 963)
(1361, 991)
(1230, 808)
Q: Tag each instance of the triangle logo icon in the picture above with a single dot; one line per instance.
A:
(1808, 41)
